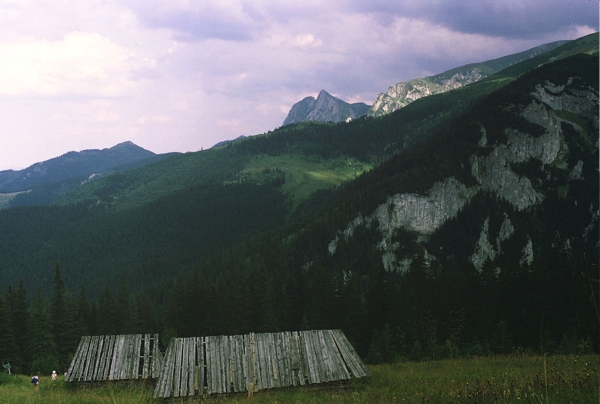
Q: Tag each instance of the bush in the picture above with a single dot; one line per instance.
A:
(44, 365)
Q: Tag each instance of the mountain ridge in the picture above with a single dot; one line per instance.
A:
(44, 181)
(401, 94)
(325, 108)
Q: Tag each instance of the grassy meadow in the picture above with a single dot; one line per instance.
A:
(515, 379)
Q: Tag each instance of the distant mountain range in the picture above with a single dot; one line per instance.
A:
(326, 108)
(401, 94)
(41, 183)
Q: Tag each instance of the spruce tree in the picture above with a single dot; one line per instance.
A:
(8, 346)
(107, 314)
(41, 347)
(18, 309)
(63, 327)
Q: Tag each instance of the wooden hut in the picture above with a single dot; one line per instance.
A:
(116, 357)
(254, 362)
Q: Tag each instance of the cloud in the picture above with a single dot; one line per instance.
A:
(105, 116)
(145, 119)
(228, 123)
(197, 20)
(81, 63)
(509, 18)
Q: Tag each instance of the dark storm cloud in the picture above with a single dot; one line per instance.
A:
(192, 21)
(509, 18)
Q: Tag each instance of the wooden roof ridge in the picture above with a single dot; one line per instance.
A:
(256, 361)
(116, 357)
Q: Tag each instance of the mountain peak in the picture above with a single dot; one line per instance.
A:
(326, 108)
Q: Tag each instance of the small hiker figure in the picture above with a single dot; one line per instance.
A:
(35, 381)
(54, 375)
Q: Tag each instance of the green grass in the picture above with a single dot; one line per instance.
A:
(6, 198)
(514, 379)
(304, 175)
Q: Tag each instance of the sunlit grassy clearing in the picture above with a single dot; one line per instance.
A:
(570, 379)
(305, 175)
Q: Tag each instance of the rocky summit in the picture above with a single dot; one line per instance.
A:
(326, 108)
(401, 94)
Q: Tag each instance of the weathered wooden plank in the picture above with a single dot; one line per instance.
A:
(212, 363)
(268, 347)
(311, 368)
(274, 362)
(99, 352)
(78, 366)
(157, 358)
(177, 367)
(211, 379)
(146, 357)
(253, 368)
(324, 356)
(317, 355)
(74, 362)
(123, 362)
(136, 357)
(85, 359)
(285, 351)
(224, 351)
(282, 371)
(190, 363)
(348, 358)
(220, 370)
(115, 360)
(127, 358)
(82, 359)
(288, 373)
(295, 363)
(244, 353)
(235, 365)
(242, 370)
(303, 362)
(90, 359)
(107, 357)
(183, 365)
(165, 379)
(123, 365)
(311, 347)
(201, 364)
(257, 358)
(133, 357)
(263, 368)
(341, 371)
(106, 351)
(349, 355)
(265, 361)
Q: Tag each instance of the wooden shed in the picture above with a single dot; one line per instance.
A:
(116, 357)
(254, 362)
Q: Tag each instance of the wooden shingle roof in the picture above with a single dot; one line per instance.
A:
(116, 357)
(254, 362)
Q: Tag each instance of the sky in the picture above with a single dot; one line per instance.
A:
(182, 75)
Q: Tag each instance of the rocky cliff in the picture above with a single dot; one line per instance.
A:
(325, 108)
(401, 94)
(537, 153)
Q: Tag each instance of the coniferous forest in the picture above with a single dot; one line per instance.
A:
(233, 252)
